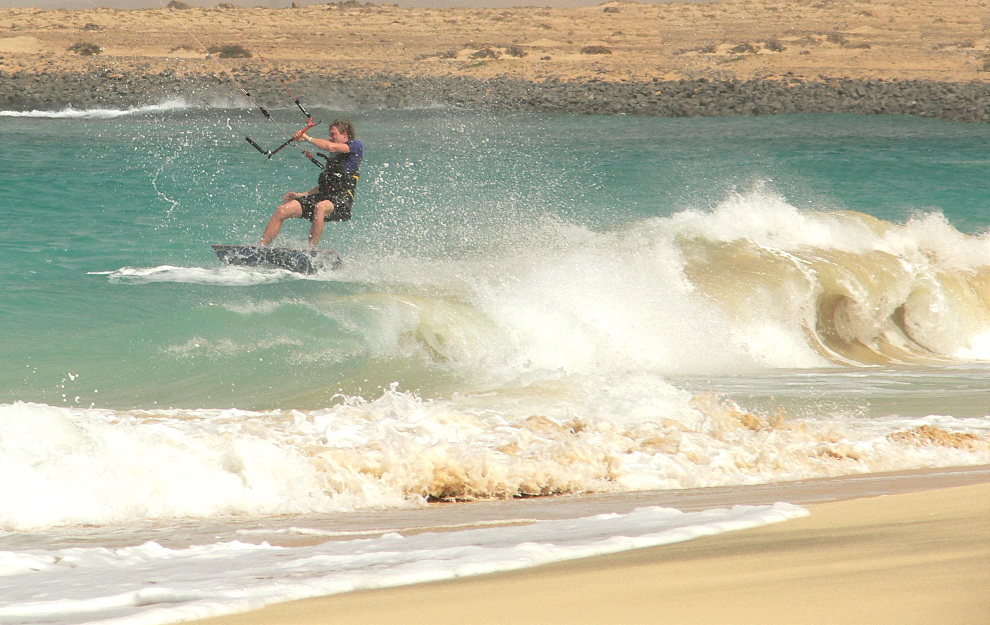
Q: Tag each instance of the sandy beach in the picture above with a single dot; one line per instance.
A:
(918, 555)
(673, 59)
(617, 41)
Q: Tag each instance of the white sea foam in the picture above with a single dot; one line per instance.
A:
(219, 276)
(753, 284)
(84, 466)
(150, 584)
(99, 113)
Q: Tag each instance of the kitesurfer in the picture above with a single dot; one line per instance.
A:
(332, 197)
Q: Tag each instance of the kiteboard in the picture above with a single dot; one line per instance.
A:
(300, 261)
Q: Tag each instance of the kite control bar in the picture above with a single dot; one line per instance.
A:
(270, 153)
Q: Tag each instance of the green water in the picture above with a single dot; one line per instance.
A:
(112, 297)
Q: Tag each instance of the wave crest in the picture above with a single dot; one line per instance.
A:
(859, 290)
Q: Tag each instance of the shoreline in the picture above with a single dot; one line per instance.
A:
(904, 557)
(960, 102)
(730, 57)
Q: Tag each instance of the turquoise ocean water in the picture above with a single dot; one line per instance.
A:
(530, 304)
(612, 268)
(113, 298)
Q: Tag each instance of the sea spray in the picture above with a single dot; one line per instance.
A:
(84, 466)
(529, 305)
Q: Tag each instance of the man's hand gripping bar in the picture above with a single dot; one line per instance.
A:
(270, 153)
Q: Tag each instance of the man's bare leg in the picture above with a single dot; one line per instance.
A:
(322, 209)
(289, 210)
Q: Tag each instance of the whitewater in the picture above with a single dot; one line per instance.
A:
(530, 306)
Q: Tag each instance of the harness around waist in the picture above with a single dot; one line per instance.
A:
(338, 181)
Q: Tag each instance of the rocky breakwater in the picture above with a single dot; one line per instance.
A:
(703, 97)
(968, 102)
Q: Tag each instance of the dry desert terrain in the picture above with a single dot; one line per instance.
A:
(616, 41)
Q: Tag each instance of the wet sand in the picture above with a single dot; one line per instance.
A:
(918, 555)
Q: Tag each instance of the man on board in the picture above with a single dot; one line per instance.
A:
(332, 197)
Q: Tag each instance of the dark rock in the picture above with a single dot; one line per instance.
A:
(683, 98)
